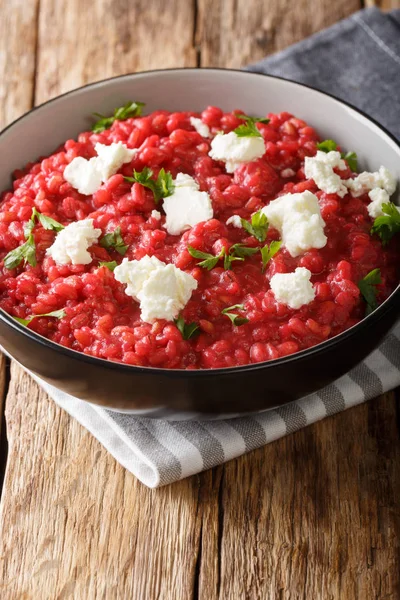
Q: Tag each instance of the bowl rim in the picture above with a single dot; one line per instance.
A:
(320, 348)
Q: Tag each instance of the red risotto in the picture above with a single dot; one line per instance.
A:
(331, 234)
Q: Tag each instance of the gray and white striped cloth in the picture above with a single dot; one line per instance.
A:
(358, 60)
(160, 451)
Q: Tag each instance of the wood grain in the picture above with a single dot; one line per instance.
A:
(314, 515)
(232, 34)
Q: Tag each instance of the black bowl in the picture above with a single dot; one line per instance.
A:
(219, 391)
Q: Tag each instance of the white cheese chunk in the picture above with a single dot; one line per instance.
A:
(112, 157)
(162, 290)
(288, 173)
(200, 127)
(378, 198)
(235, 150)
(83, 175)
(235, 221)
(72, 243)
(86, 176)
(187, 206)
(365, 182)
(320, 169)
(293, 289)
(155, 214)
(298, 219)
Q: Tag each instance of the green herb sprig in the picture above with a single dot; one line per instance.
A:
(249, 129)
(57, 314)
(388, 224)
(188, 330)
(235, 318)
(208, 261)
(114, 240)
(162, 187)
(109, 265)
(367, 287)
(131, 109)
(350, 157)
(267, 252)
(27, 251)
(257, 227)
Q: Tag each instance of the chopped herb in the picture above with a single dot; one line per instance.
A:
(162, 187)
(114, 240)
(46, 222)
(110, 265)
(327, 146)
(249, 128)
(258, 226)
(57, 314)
(131, 109)
(367, 287)
(188, 330)
(350, 157)
(209, 261)
(26, 252)
(236, 319)
(267, 252)
(229, 259)
(242, 251)
(387, 225)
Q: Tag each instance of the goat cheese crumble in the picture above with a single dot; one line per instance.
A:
(187, 206)
(162, 290)
(235, 150)
(293, 289)
(200, 127)
(298, 219)
(72, 243)
(86, 176)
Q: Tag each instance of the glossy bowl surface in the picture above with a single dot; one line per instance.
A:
(220, 391)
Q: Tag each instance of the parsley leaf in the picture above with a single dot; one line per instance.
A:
(327, 146)
(46, 222)
(58, 314)
(387, 225)
(229, 259)
(249, 128)
(236, 319)
(267, 252)
(114, 240)
(162, 187)
(110, 265)
(209, 260)
(26, 252)
(242, 251)
(258, 226)
(367, 287)
(131, 109)
(188, 330)
(350, 157)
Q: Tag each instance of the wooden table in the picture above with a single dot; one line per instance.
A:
(314, 515)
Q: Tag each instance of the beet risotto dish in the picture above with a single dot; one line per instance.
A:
(196, 241)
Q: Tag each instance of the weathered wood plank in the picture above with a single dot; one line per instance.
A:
(232, 34)
(17, 70)
(104, 38)
(18, 37)
(314, 515)
(310, 516)
(383, 4)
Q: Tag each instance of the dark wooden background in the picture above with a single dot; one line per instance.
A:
(312, 516)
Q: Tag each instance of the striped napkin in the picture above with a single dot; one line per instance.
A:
(160, 451)
(357, 59)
